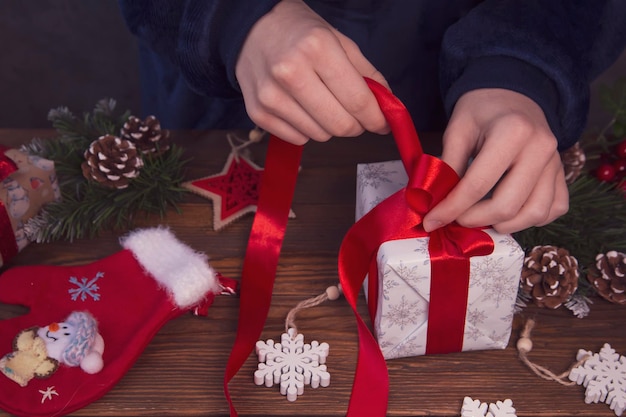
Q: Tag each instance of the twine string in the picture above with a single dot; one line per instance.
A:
(332, 293)
(524, 346)
(254, 136)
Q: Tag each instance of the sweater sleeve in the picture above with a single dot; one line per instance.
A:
(200, 37)
(550, 51)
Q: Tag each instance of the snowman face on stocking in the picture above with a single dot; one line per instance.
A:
(72, 305)
(37, 352)
(75, 342)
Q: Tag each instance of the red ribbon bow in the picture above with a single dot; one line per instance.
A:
(7, 165)
(8, 245)
(397, 217)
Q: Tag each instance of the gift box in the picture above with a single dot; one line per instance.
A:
(28, 182)
(399, 300)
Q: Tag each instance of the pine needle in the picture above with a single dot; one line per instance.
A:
(87, 208)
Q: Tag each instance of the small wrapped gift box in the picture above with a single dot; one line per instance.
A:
(28, 182)
(399, 301)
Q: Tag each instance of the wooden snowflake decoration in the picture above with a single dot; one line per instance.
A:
(604, 376)
(474, 408)
(292, 364)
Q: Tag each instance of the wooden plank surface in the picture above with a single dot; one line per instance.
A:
(181, 371)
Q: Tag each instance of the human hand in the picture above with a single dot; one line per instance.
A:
(302, 79)
(513, 148)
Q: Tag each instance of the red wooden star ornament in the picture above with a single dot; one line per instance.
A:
(234, 191)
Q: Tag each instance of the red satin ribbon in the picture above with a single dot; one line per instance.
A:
(8, 245)
(397, 217)
(7, 165)
(278, 183)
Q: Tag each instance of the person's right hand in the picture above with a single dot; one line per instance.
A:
(302, 79)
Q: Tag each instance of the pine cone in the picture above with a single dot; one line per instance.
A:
(610, 280)
(111, 161)
(146, 135)
(549, 276)
(573, 162)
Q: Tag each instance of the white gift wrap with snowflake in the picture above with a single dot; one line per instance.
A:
(404, 269)
(28, 182)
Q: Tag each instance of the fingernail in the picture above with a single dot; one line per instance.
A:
(430, 225)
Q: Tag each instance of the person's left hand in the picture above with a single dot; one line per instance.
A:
(514, 151)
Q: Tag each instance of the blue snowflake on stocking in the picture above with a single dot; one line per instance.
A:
(85, 288)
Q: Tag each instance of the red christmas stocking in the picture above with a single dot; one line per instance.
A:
(88, 324)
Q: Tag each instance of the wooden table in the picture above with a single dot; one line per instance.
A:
(181, 371)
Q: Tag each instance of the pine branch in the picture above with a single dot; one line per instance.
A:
(87, 208)
(595, 222)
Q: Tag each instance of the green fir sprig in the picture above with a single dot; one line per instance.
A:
(87, 208)
(595, 222)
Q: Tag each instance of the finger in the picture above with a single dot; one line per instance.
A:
(459, 143)
(548, 201)
(527, 175)
(343, 73)
(536, 209)
(321, 105)
(296, 94)
(282, 130)
(275, 111)
(560, 205)
(482, 175)
(362, 64)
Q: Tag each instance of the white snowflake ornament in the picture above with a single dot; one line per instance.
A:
(604, 376)
(292, 363)
(474, 408)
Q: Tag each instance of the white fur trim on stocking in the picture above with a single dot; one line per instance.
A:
(177, 267)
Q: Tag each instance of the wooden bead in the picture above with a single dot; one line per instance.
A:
(255, 135)
(333, 293)
(524, 344)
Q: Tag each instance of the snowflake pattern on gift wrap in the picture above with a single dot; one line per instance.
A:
(411, 274)
(403, 313)
(475, 322)
(292, 364)
(511, 243)
(476, 317)
(472, 333)
(474, 408)
(500, 339)
(373, 175)
(387, 284)
(604, 376)
(421, 248)
(407, 347)
(491, 276)
(85, 288)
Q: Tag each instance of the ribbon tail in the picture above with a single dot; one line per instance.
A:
(390, 220)
(261, 260)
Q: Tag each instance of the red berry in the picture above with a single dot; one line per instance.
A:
(620, 167)
(605, 172)
(620, 150)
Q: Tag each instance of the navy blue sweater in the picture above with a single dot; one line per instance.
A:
(430, 52)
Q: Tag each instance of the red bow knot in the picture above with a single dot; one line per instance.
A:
(7, 165)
